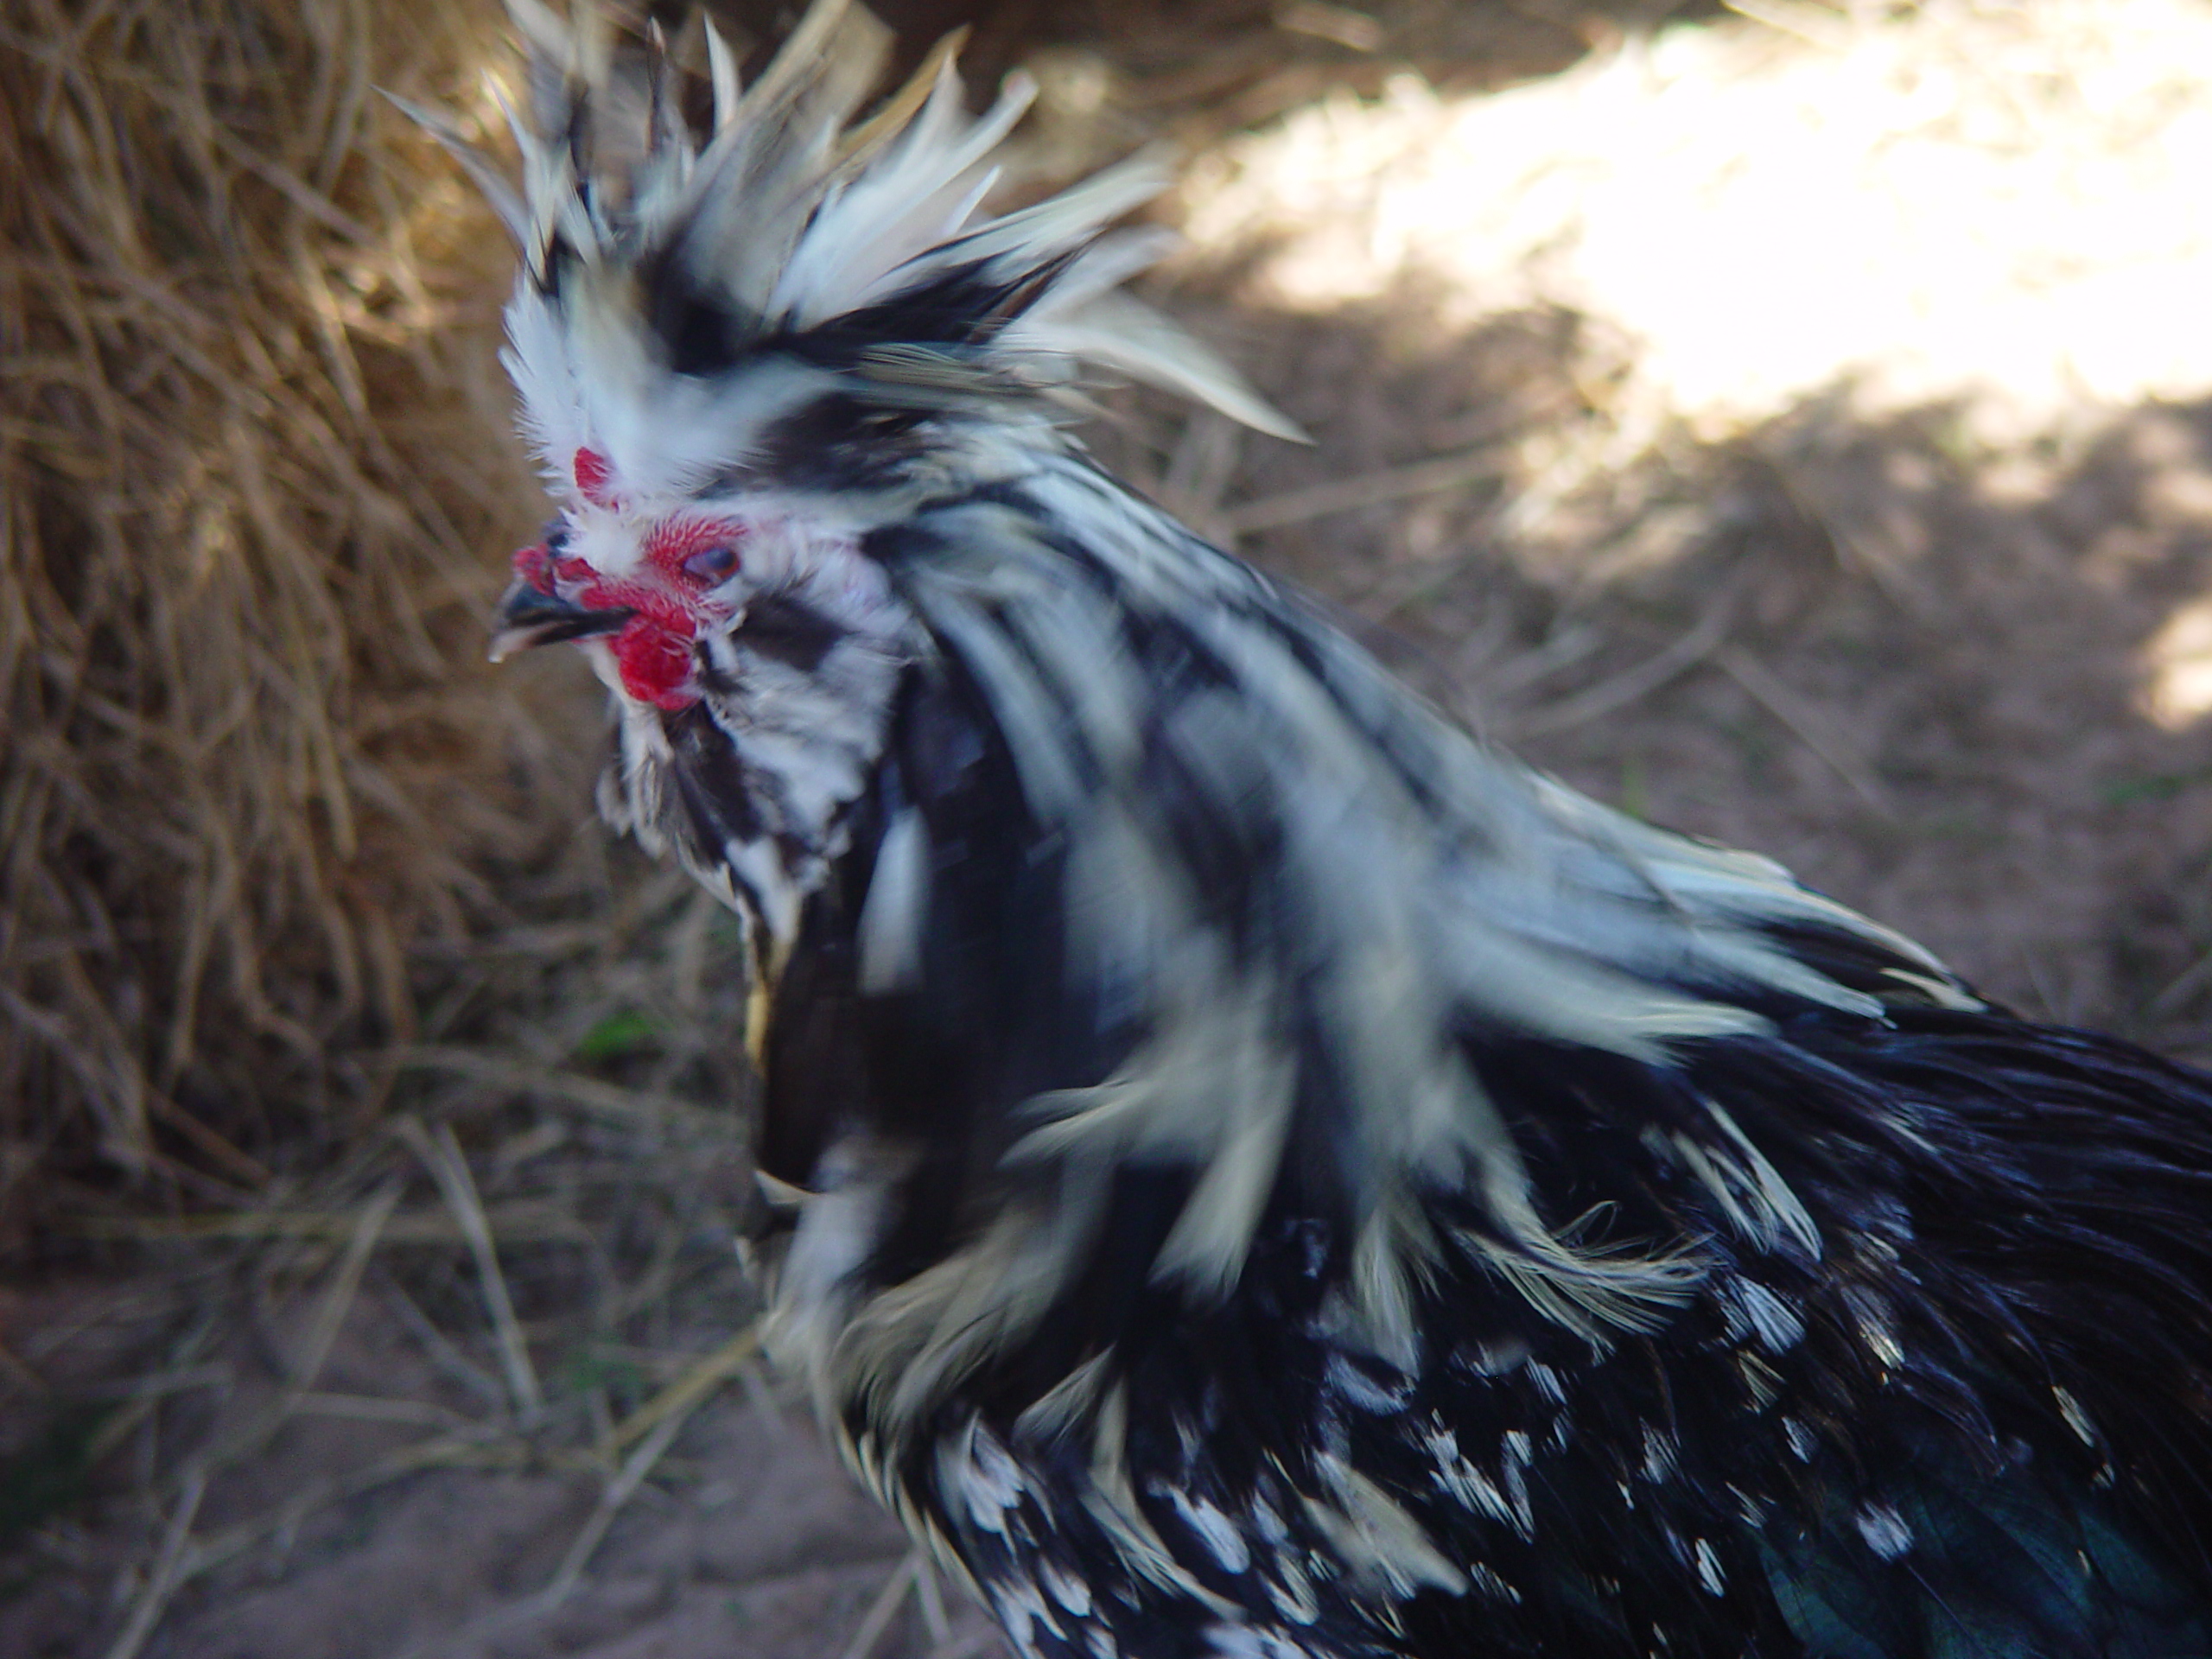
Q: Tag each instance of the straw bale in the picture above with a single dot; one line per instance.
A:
(255, 464)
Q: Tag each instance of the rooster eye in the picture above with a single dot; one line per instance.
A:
(711, 563)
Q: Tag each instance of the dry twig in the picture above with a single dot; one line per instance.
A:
(885, 1607)
(1367, 490)
(1784, 705)
(170, 1572)
(1627, 687)
(440, 1152)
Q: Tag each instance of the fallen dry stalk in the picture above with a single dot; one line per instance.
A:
(524, 1221)
(440, 1152)
(607, 1100)
(1806, 726)
(369, 1223)
(1369, 490)
(619, 1491)
(1633, 683)
(647, 1433)
(171, 1568)
(682, 1396)
(885, 1607)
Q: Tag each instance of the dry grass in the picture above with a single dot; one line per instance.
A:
(255, 460)
(524, 1282)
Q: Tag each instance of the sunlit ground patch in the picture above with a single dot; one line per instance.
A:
(2177, 689)
(2003, 200)
(1999, 209)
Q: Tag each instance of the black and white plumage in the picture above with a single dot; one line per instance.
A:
(1253, 1172)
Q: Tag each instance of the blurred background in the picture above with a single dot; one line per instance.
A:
(1790, 421)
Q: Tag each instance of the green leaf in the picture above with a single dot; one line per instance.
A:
(2154, 786)
(51, 1473)
(625, 1033)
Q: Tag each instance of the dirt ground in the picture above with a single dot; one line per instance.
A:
(1936, 634)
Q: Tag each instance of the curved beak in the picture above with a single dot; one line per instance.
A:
(529, 616)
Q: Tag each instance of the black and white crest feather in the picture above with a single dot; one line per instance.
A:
(684, 292)
(1253, 1172)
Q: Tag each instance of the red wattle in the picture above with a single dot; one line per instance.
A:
(655, 662)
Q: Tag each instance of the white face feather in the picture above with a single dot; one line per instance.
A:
(788, 673)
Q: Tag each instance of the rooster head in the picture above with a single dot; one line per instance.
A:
(739, 348)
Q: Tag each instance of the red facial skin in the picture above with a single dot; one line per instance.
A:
(594, 477)
(685, 559)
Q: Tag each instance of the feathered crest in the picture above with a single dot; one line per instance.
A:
(662, 263)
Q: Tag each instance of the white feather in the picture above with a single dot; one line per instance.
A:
(793, 218)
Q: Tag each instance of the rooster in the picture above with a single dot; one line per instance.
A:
(1249, 1171)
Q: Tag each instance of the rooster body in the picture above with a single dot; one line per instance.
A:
(1249, 1171)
